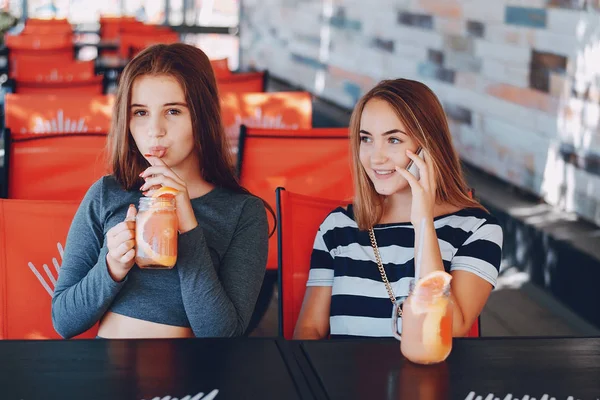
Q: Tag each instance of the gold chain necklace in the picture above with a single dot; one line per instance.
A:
(382, 270)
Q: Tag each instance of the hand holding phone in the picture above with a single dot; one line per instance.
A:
(412, 167)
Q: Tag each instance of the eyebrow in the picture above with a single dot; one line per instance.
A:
(164, 105)
(390, 132)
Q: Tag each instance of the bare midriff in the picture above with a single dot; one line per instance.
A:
(117, 326)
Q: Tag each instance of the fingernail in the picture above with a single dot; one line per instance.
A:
(147, 155)
(141, 174)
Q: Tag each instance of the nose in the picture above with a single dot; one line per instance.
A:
(378, 155)
(156, 127)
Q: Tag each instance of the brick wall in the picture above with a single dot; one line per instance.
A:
(519, 79)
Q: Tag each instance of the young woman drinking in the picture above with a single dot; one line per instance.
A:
(166, 133)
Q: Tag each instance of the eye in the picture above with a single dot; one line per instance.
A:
(365, 139)
(139, 113)
(394, 140)
(173, 111)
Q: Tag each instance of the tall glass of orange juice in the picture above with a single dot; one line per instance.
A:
(426, 320)
(156, 233)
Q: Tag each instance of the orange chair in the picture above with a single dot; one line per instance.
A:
(32, 238)
(278, 110)
(132, 43)
(77, 77)
(243, 82)
(93, 86)
(47, 30)
(61, 167)
(110, 27)
(35, 114)
(34, 26)
(52, 22)
(299, 218)
(139, 27)
(300, 160)
(55, 146)
(110, 30)
(28, 51)
(221, 68)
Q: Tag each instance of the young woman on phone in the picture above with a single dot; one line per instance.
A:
(346, 293)
(166, 132)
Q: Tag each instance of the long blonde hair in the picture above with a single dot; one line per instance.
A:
(423, 116)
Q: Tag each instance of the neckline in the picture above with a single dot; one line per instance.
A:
(350, 212)
(206, 195)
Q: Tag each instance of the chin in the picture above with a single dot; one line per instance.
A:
(387, 190)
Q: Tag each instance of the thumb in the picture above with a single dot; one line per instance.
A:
(131, 213)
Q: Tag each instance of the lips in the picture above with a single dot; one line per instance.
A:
(158, 151)
(384, 173)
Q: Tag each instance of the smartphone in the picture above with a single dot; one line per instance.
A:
(412, 167)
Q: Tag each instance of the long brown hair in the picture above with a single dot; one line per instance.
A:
(423, 116)
(192, 69)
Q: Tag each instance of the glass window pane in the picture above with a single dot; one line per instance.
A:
(217, 46)
(217, 12)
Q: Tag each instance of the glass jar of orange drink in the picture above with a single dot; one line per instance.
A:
(426, 320)
(156, 232)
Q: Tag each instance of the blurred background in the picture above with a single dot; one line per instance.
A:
(519, 81)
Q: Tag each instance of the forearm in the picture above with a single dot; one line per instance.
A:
(432, 261)
(78, 304)
(431, 257)
(213, 311)
(308, 333)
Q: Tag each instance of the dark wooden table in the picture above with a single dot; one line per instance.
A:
(535, 367)
(148, 369)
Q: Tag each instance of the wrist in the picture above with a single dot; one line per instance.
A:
(186, 219)
(188, 226)
(425, 221)
(112, 271)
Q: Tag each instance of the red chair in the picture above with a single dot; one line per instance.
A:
(29, 51)
(49, 22)
(59, 167)
(299, 218)
(110, 30)
(110, 27)
(221, 68)
(133, 43)
(243, 82)
(30, 115)
(75, 77)
(55, 146)
(93, 86)
(34, 26)
(300, 160)
(278, 110)
(32, 238)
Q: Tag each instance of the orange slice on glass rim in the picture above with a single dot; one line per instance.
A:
(428, 289)
(433, 284)
(165, 192)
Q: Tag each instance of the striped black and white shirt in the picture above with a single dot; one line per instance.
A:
(470, 240)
